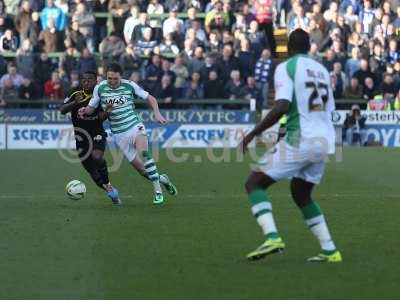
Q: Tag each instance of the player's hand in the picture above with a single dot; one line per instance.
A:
(246, 141)
(109, 107)
(160, 119)
(82, 112)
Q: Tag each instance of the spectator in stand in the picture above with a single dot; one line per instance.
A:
(25, 60)
(364, 72)
(316, 34)
(138, 29)
(155, 8)
(74, 38)
(369, 89)
(257, 39)
(240, 23)
(264, 17)
(68, 61)
(86, 23)
(352, 64)
(181, 73)
(188, 4)
(367, 16)
(314, 53)
(166, 69)
(209, 65)
(119, 10)
(200, 34)
(12, 75)
(197, 62)
(129, 61)
(112, 47)
(263, 76)
(214, 43)
(393, 54)
(172, 24)
(147, 43)
(101, 23)
(251, 91)
(52, 12)
(8, 41)
(212, 86)
(354, 4)
(8, 92)
(168, 46)
(245, 58)
(153, 73)
(191, 17)
(299, 20)
(388, 87)
(194, 89)
(247, 13)
(165, 90)
(27, 90)
(23, 20)
(377, 62)
(131, 23)
(73, 81)
(86, 62)
(351, 17)
(49, 39)
(42, 72)
(234, 88)
(216, 19)
(353, 90)
(34, 31)
(53, 88)
(9, 84)
(227, 63)
(339, 81)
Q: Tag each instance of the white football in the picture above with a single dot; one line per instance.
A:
(75, 189)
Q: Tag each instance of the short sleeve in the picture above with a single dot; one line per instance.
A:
(283, 83)
(95, 101)
(139, 91)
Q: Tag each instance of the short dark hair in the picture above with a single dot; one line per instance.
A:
(114, 67)
(299, 42)
(90, 72)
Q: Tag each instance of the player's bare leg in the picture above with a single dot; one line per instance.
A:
(138, 164)
(301, 192)
(261, 207)
(150, 168)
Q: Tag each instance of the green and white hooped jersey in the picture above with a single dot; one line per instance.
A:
(123, 115)
(307, 85)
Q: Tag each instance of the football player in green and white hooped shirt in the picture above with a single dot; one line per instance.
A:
(117, 97)
(303, 92)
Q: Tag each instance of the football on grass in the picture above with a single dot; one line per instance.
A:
(75, 189)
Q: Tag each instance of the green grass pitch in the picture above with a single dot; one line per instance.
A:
(194, 246)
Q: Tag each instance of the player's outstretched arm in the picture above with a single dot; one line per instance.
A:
(154, 106)
(67, 106)
(280, 108)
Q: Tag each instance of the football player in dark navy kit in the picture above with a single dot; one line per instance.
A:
(90, 135)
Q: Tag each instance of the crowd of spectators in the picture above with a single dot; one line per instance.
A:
(215, 49)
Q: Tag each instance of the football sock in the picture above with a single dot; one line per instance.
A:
(103, 171)
(90, 167)
(151, 171)
(163, 179)
(262, 210)
(316, 222)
